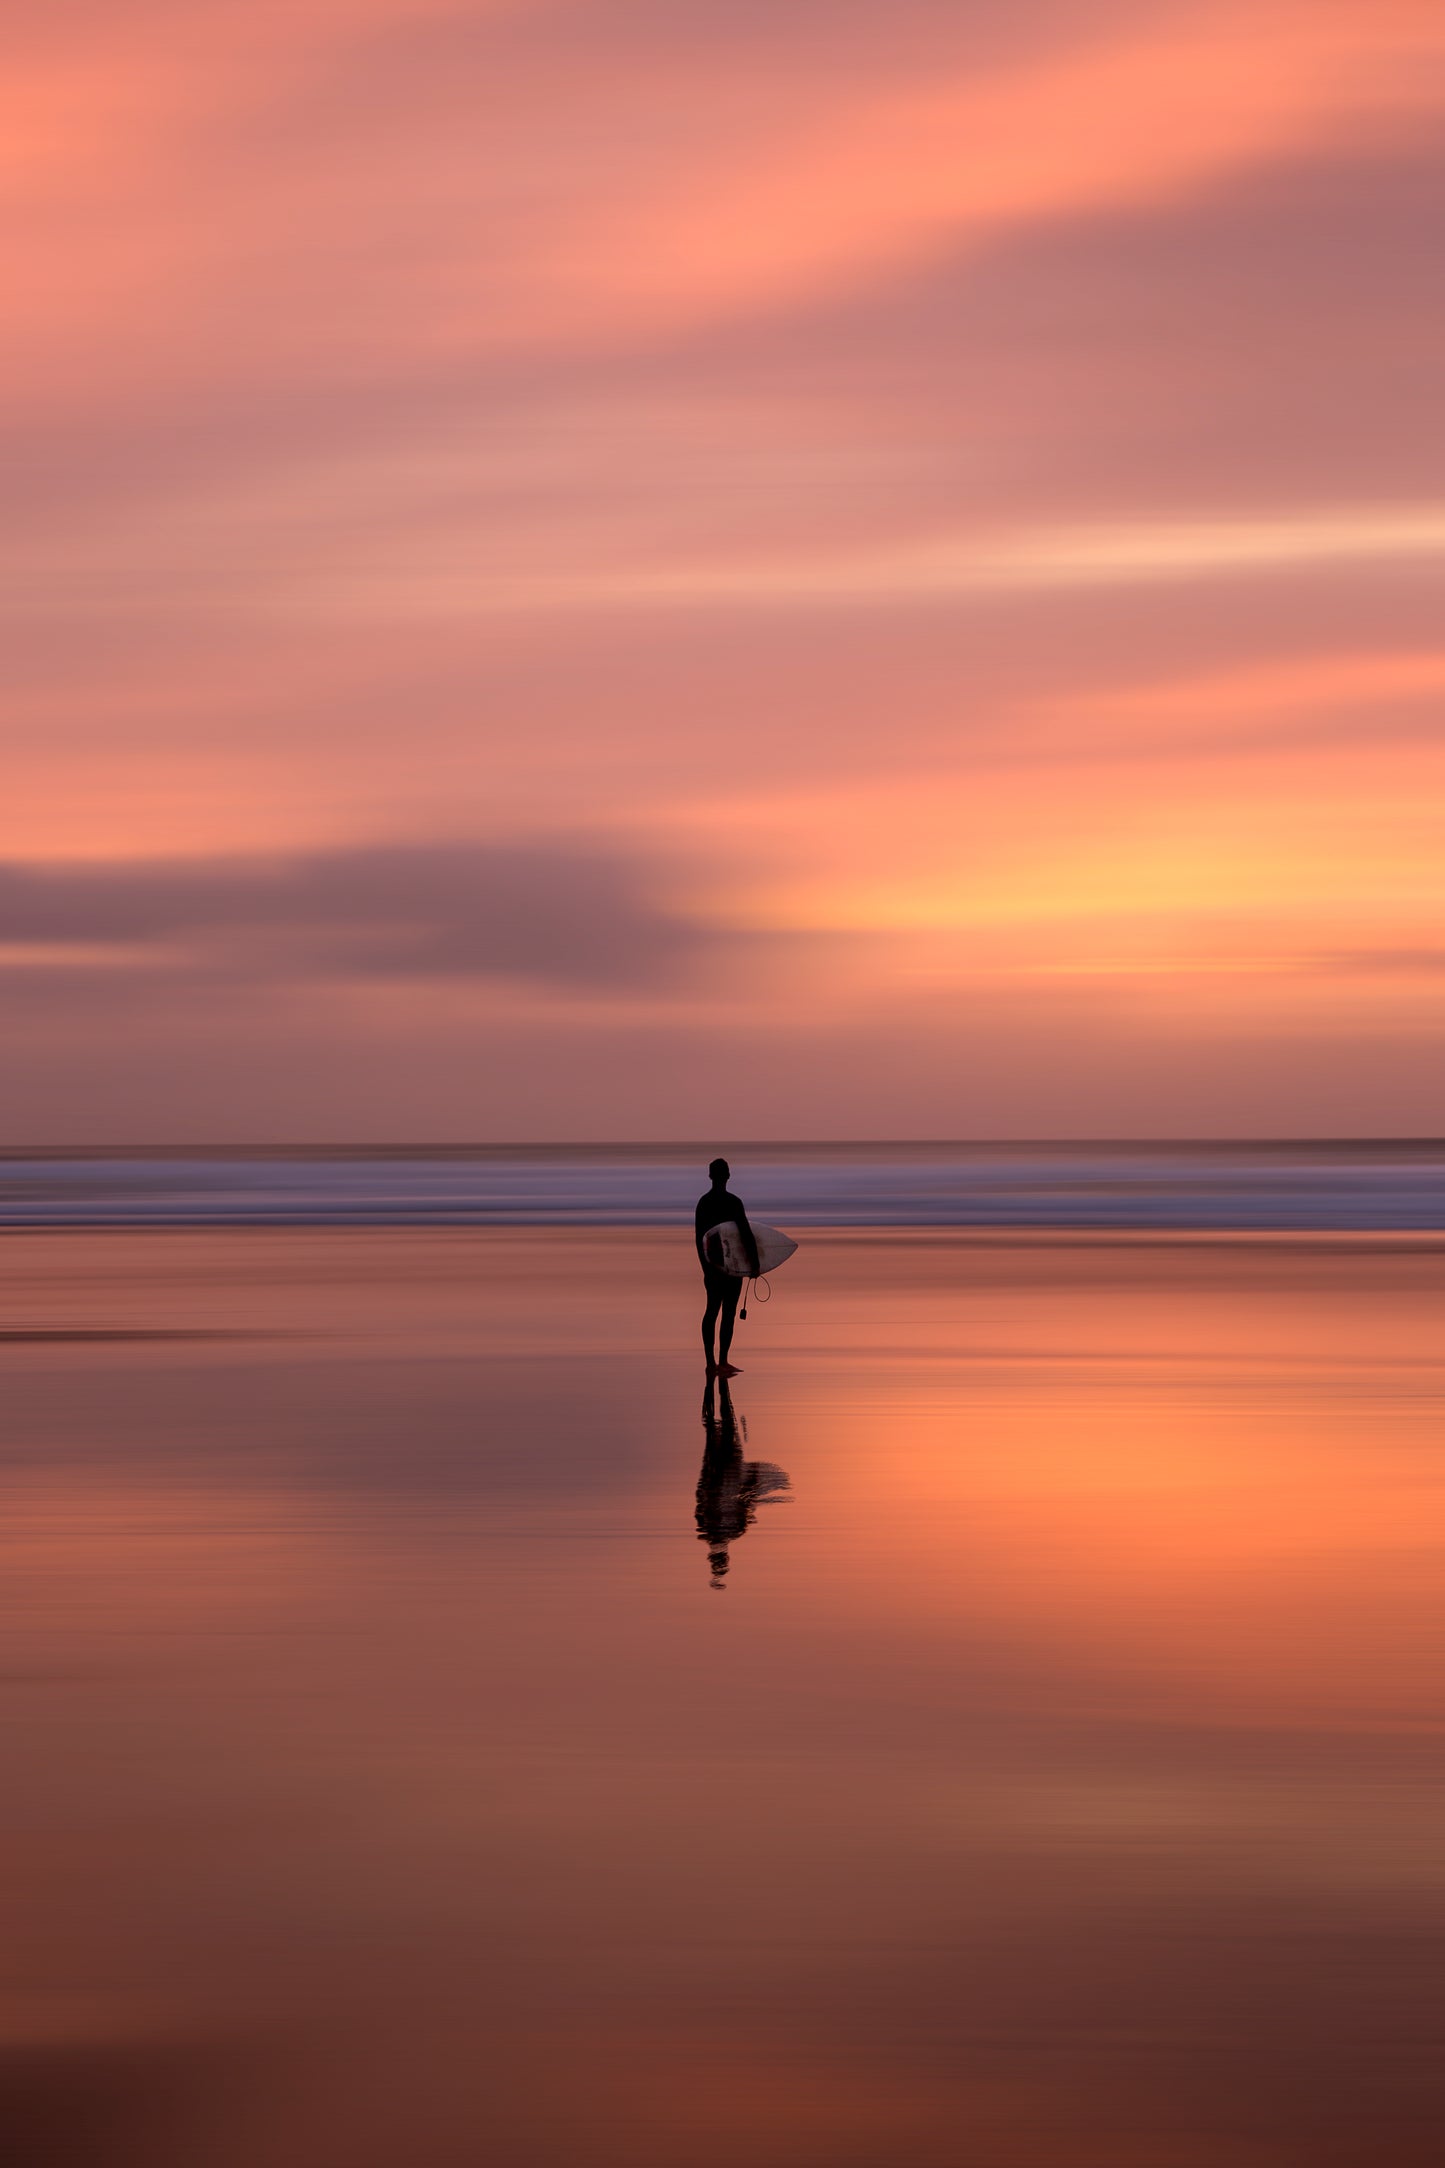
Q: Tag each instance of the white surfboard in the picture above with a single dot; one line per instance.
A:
(774, 1248)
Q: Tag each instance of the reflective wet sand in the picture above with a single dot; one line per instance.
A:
(1006, 1730)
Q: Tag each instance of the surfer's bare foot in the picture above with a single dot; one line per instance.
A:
(728, 1370)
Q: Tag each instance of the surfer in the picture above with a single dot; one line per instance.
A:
(715, 1209)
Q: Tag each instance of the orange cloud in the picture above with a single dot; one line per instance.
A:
(202, 201)
(1220, 707)
(1135, 118)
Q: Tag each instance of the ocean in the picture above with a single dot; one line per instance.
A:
(1346, 1186)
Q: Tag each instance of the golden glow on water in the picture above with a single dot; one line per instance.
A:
(1054, 1764)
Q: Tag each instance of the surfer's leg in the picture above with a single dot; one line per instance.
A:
(710, 1314)
(731, 1297)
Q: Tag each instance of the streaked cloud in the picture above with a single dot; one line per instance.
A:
(1408, 963)
(912, 570)
(433, 576)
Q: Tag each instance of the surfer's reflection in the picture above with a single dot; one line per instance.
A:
(729, 1489)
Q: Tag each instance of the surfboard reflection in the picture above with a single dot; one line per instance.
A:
(730, 1489)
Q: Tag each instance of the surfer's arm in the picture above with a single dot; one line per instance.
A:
(750, 1239)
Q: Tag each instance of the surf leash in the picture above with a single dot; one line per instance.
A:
(758, 1284)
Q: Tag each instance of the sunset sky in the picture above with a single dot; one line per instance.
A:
(580, 569)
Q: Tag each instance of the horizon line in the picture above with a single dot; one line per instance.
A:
(415, 1146)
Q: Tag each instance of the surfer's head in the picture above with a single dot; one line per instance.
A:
(719, 1170)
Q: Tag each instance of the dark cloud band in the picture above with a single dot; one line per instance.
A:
(543, 912)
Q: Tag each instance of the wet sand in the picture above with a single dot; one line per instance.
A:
(1008, 1737)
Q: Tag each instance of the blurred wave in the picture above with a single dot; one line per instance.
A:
(1359, 1186)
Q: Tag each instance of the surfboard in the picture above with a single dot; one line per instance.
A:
(774, 1248)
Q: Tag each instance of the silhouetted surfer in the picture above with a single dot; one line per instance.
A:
(729, 1489)
(715, 1210)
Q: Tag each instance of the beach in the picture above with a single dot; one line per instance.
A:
(439, 1730)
